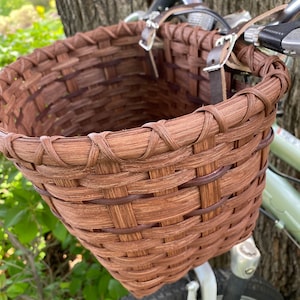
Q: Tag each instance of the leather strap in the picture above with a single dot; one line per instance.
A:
(216, 62)
(216, 76)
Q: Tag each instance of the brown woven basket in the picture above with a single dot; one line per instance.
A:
(145, 177)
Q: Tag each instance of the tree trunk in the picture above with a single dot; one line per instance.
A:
(280, 257)
(84, 15)
(280, 263)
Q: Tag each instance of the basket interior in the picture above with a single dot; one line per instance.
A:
(92, 83)
(49, 99)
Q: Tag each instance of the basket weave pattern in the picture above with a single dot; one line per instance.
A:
(145, 177)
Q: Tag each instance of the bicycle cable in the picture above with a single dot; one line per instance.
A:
(288, 177)
(280, 226)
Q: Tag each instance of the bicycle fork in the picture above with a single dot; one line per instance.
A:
(244, 261)
(245, 258)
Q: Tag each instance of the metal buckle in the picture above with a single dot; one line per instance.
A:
(231, 38)
(147, 41)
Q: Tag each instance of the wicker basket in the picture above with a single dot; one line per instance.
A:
(147, 178)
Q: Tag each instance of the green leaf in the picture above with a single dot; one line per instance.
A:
(64, 285)
(3, 296)
(71, 243)
(47, 220)
(80, 269)
(26, 230)
(2, 281)
(15, 267)
(103, 284)
(14, 216)
(60, 232)
(116, 290)
(16, 289)
(90, 292)
(93, 272)
(75, 285)
(13, 174)
(3, 211)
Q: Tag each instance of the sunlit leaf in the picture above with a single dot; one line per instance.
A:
(2, 281)
(16, 289)
(3, 296)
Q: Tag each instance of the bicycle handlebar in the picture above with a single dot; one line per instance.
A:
(289, 13)
(283, 38)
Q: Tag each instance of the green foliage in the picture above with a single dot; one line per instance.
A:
(39, 259)
(26, 40)
(23, 41)
(6, 6)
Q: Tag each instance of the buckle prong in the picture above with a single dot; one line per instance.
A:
(221, 42)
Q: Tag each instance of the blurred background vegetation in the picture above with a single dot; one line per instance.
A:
(39, 259)
(25, 26)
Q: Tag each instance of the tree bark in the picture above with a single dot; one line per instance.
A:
(84, 15)
(280, 262)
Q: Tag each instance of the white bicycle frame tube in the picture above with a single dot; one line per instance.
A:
(282, 201)
(207, 280)
(245, 258)
(280, 198)
(286, 147)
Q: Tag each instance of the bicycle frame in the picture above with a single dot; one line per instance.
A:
(280, 198)
(245, 258)
(286, 146)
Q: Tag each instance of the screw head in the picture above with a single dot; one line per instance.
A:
(249, 271)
